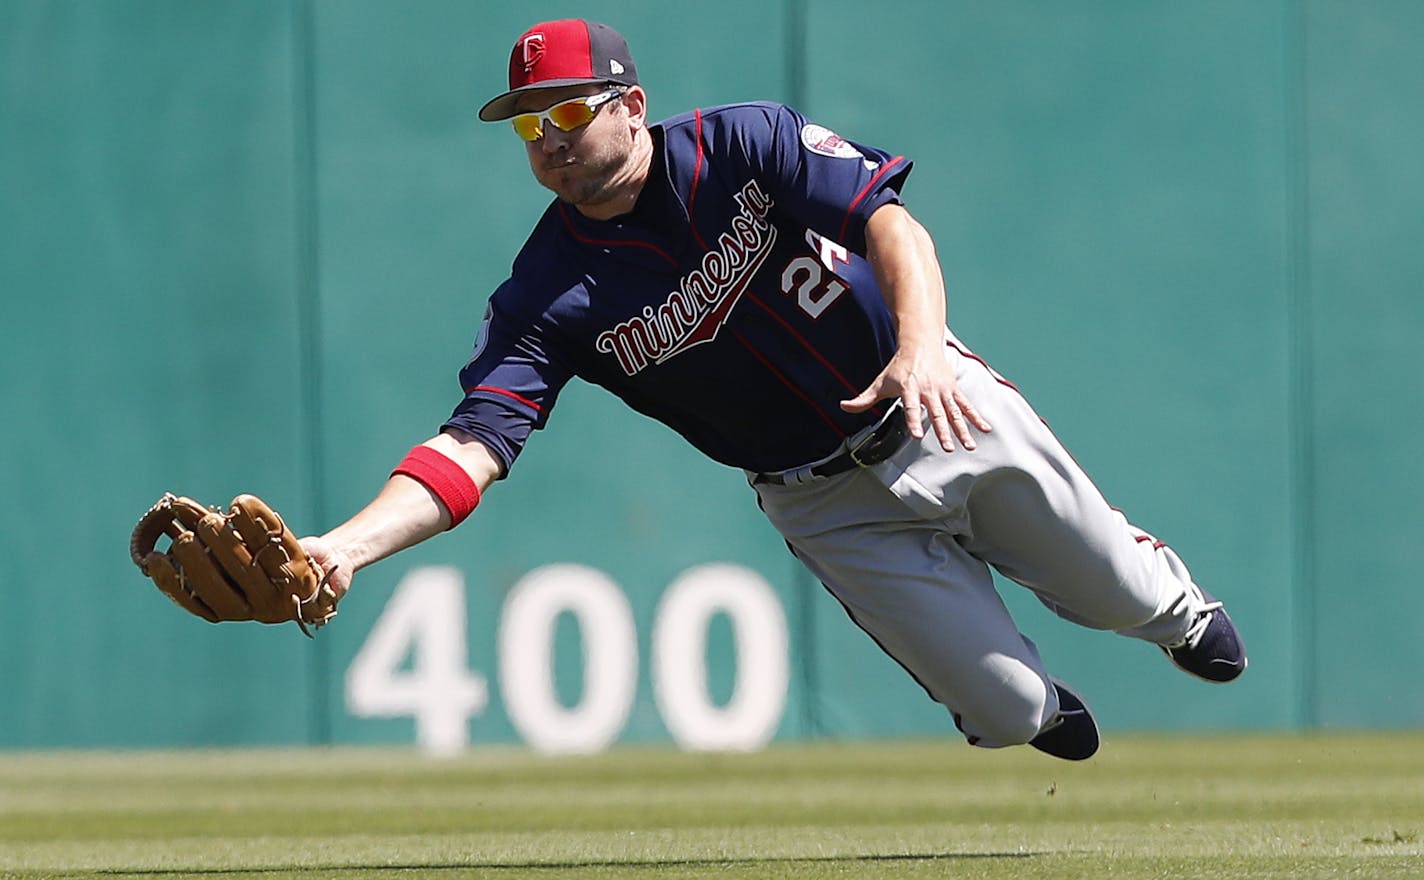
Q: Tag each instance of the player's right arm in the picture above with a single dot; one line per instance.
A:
(404, 513)
(907, 270)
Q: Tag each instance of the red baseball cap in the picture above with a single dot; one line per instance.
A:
(568, 52)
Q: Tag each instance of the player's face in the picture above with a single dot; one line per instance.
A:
(586, 167)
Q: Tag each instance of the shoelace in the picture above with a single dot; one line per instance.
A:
(1197, 629)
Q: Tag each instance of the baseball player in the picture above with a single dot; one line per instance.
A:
(754, 281)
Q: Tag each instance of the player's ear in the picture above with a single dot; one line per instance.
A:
(635, 101)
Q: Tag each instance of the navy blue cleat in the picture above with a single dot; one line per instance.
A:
(1211, 650)
(1071, 734)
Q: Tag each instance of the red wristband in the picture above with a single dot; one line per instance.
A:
(441, 475)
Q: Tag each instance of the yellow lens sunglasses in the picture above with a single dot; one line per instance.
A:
(565, 115)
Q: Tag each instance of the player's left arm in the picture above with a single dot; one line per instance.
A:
(902, 255)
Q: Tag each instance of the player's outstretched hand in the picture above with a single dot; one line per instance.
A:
(335, 563)
(925, 385)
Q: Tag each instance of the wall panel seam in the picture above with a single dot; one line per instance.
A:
(1301, 347)
(309, 323)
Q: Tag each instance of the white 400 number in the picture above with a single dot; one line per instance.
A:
(425, 621)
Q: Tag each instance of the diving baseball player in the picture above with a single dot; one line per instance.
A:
(754, 281)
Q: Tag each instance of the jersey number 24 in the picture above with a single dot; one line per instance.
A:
(806, 276)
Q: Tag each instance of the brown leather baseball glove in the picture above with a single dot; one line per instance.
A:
(240, 565)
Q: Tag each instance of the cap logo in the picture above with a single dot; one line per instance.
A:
(533, 49)
(615, 67)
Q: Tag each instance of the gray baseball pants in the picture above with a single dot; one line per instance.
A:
(907, 546)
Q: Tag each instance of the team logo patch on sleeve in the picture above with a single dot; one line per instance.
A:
(819, 139)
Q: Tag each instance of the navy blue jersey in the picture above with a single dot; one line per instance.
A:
(733, 303)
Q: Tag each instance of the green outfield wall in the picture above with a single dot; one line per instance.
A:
(244, 246)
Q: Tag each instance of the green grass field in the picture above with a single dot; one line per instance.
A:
(1227, 807)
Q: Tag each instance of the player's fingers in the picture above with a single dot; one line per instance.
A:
(959, 428)
(864, 400)
(941, 420)
(971, 413)
(914, 409)
(949, 422)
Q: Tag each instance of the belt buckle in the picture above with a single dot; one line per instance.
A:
(872, 443)
(855, 453)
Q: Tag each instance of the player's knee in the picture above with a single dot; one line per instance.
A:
(1013, 718)
(1001, 732)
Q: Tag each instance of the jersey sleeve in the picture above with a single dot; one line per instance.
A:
(510, 382)
(825, 181)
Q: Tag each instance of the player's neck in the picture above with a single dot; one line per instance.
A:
(628, 185)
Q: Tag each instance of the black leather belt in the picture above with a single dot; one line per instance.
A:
(883, 442)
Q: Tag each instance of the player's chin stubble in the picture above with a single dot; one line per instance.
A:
(587, 180)
(578, 186)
